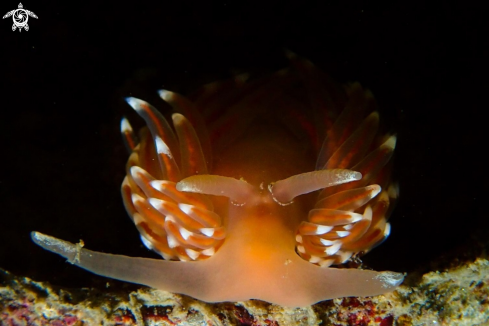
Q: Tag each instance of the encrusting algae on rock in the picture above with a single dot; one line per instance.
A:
(459, 296)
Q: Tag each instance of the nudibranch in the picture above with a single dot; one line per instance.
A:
(299, 180)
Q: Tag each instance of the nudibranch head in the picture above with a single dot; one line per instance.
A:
(256, 190)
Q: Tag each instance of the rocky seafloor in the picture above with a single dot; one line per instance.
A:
(454, 295)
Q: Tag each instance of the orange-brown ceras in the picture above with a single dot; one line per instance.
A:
(298, 181)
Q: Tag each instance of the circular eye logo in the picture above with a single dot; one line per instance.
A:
(20, 17)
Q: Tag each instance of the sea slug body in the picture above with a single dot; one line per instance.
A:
(254, 191)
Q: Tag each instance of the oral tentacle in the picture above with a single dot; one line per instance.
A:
(284, 191)
(236, 190)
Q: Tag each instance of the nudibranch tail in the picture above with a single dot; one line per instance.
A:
(298, 179)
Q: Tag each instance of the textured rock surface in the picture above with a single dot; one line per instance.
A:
(459, 296)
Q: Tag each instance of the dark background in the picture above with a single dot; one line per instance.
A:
(63, 83)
